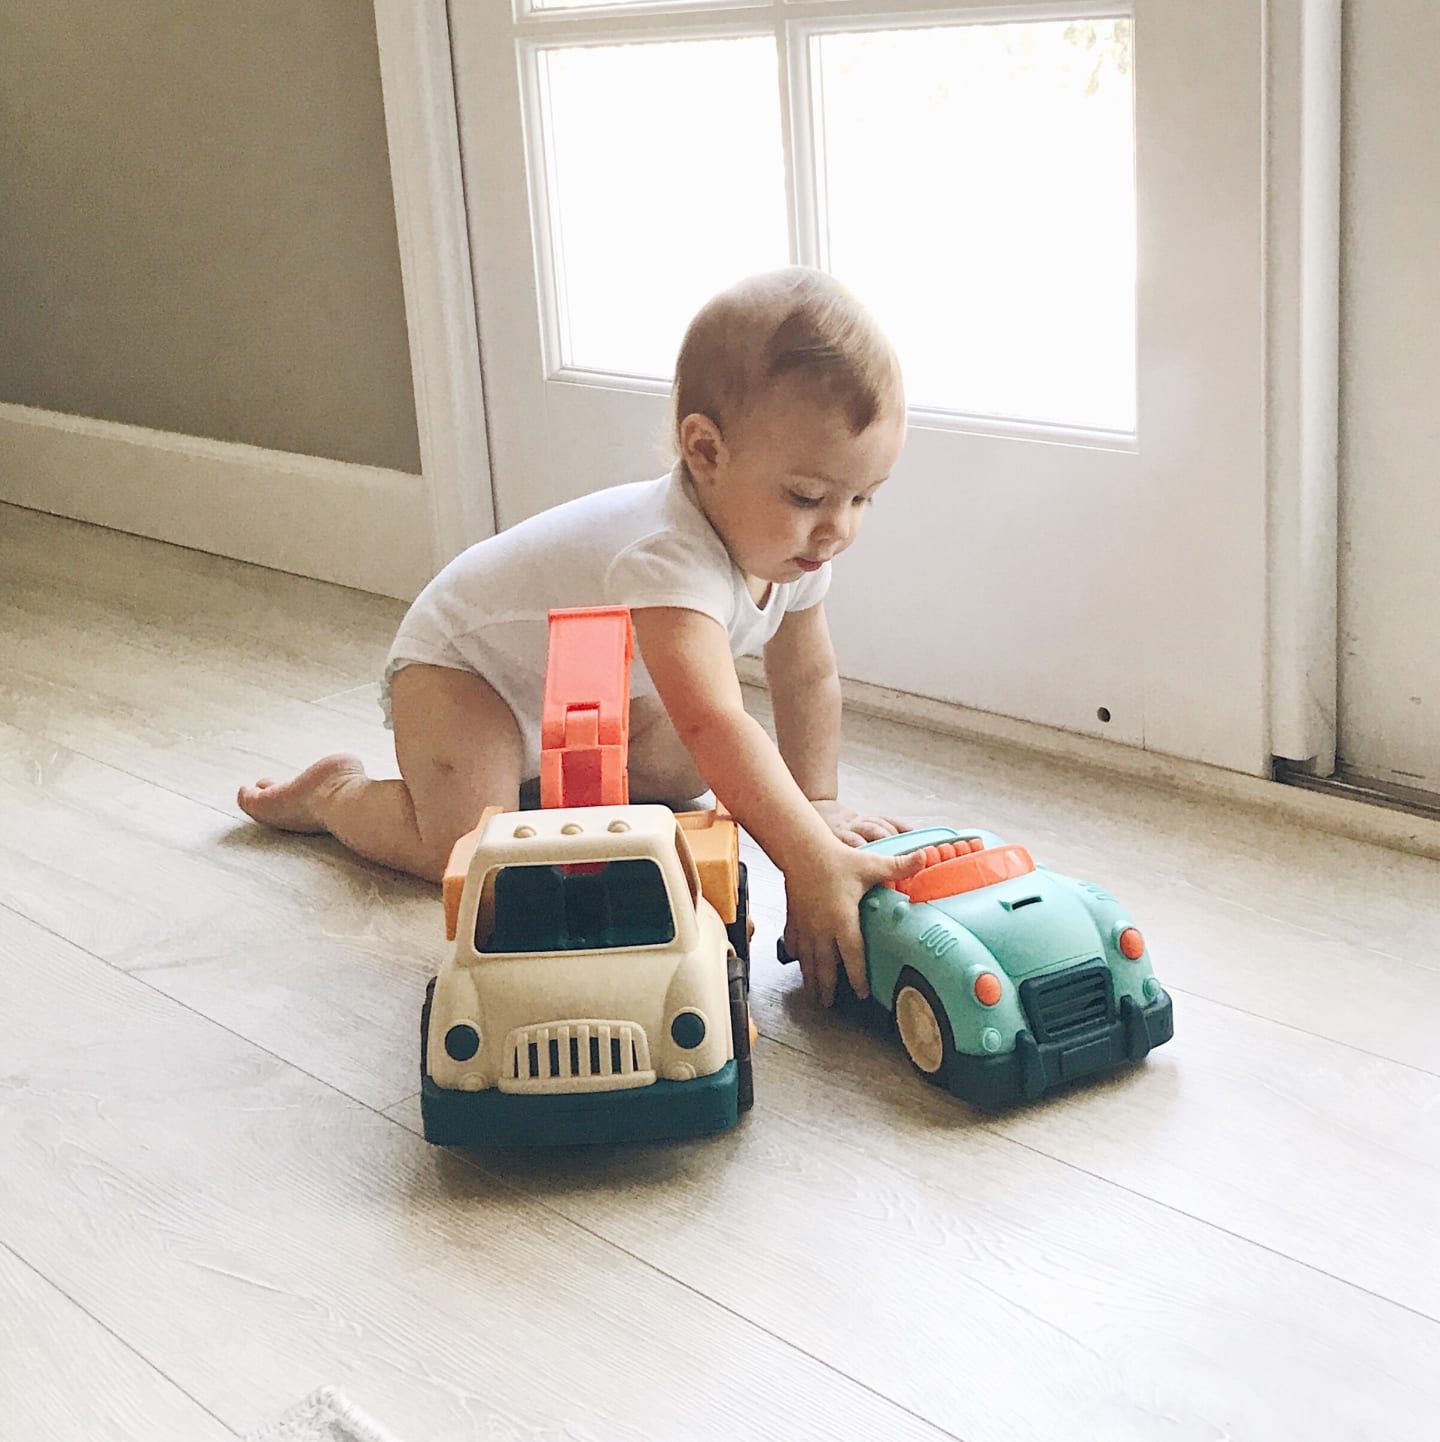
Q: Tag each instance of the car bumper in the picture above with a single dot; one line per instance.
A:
(1034, 1068)
(664, 1110)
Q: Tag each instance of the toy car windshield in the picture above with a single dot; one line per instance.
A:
(964, 865)
(618, 904)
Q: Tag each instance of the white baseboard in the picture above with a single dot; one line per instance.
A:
(1336, 815)
(360, 526)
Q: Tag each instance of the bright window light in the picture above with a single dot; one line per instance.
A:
(977, 190)
(666, 180)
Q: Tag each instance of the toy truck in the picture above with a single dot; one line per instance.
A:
(598, 987)
(1004, 978)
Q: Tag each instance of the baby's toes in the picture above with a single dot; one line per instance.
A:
(252, 799)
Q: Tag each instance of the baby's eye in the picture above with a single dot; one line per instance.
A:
(799, 498)
(862, 501)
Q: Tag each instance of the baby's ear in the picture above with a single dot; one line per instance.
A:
(702, 447)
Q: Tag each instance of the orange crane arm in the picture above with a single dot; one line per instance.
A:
(585, 719)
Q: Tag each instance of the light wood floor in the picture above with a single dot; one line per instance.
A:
(213, 1197)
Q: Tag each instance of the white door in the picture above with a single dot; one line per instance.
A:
(1389, 718)
(1058, 215)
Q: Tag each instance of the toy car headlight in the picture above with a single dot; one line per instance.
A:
(687, 1029)
(1130, 943)
(462, 1041)
(987, 988)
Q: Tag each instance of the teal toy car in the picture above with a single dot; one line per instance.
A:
(1006, 979)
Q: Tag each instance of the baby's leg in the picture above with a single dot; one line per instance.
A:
(661, 769)
(459, 751)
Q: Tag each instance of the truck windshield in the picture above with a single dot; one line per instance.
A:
(588, 907)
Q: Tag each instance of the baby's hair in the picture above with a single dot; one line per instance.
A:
(793, 322)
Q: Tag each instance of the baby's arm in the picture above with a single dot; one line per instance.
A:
(805, 695)
(688, 657)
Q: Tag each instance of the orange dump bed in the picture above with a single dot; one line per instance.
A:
(715, 844)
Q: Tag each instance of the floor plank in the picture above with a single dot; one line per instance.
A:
(296, 944)
(64, 1378)
(301, 1239)
(922, 1252)
(195, 734)
(76, 587)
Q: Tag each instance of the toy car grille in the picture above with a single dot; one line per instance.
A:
(579, 1055)
(1064, 1004)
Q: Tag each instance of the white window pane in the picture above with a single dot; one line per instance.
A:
(666, 183)
(978, 192)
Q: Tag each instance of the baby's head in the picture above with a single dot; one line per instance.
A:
(794, 324)
(789, 413)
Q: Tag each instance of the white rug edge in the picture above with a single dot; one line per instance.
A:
(316, 1418)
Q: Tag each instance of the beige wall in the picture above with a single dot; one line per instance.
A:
(196, 225)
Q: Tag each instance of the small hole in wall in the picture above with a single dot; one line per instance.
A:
(1103, 713)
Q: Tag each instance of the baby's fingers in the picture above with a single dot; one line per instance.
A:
(851, 946)
(821, 975)
(890, 825)
(873, 828)
(817, 963)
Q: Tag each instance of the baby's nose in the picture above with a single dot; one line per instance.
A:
(836, 528)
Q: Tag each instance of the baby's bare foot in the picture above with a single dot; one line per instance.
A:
(295, 805)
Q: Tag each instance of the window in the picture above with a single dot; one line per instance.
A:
(974, 181)
(604, 906)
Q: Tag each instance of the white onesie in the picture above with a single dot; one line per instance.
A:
(644, 544)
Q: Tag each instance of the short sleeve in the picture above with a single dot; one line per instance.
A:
(669, 569)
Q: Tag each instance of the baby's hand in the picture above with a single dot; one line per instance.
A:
(822, 920)
(854, 829)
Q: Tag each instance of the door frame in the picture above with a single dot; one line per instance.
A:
(1303, 43)
(417, 79)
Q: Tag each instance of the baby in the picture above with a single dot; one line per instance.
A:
(789, 416)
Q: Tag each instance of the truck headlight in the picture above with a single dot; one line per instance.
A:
(462, 1041)
(687, 1029)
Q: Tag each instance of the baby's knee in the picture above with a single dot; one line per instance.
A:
(440, 828)
(448, 797)
(661, 769)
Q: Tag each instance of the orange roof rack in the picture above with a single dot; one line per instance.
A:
(965, 865)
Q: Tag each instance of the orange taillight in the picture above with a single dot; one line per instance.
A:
(1132, 944)
(987, 988)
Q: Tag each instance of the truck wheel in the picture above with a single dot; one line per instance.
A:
(924, 1028)
(739, 930)
(740, 1034)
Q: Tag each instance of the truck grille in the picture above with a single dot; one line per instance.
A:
(1065, 1004)
(576, 1056)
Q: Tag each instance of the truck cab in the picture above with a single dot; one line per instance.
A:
(595, 991)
